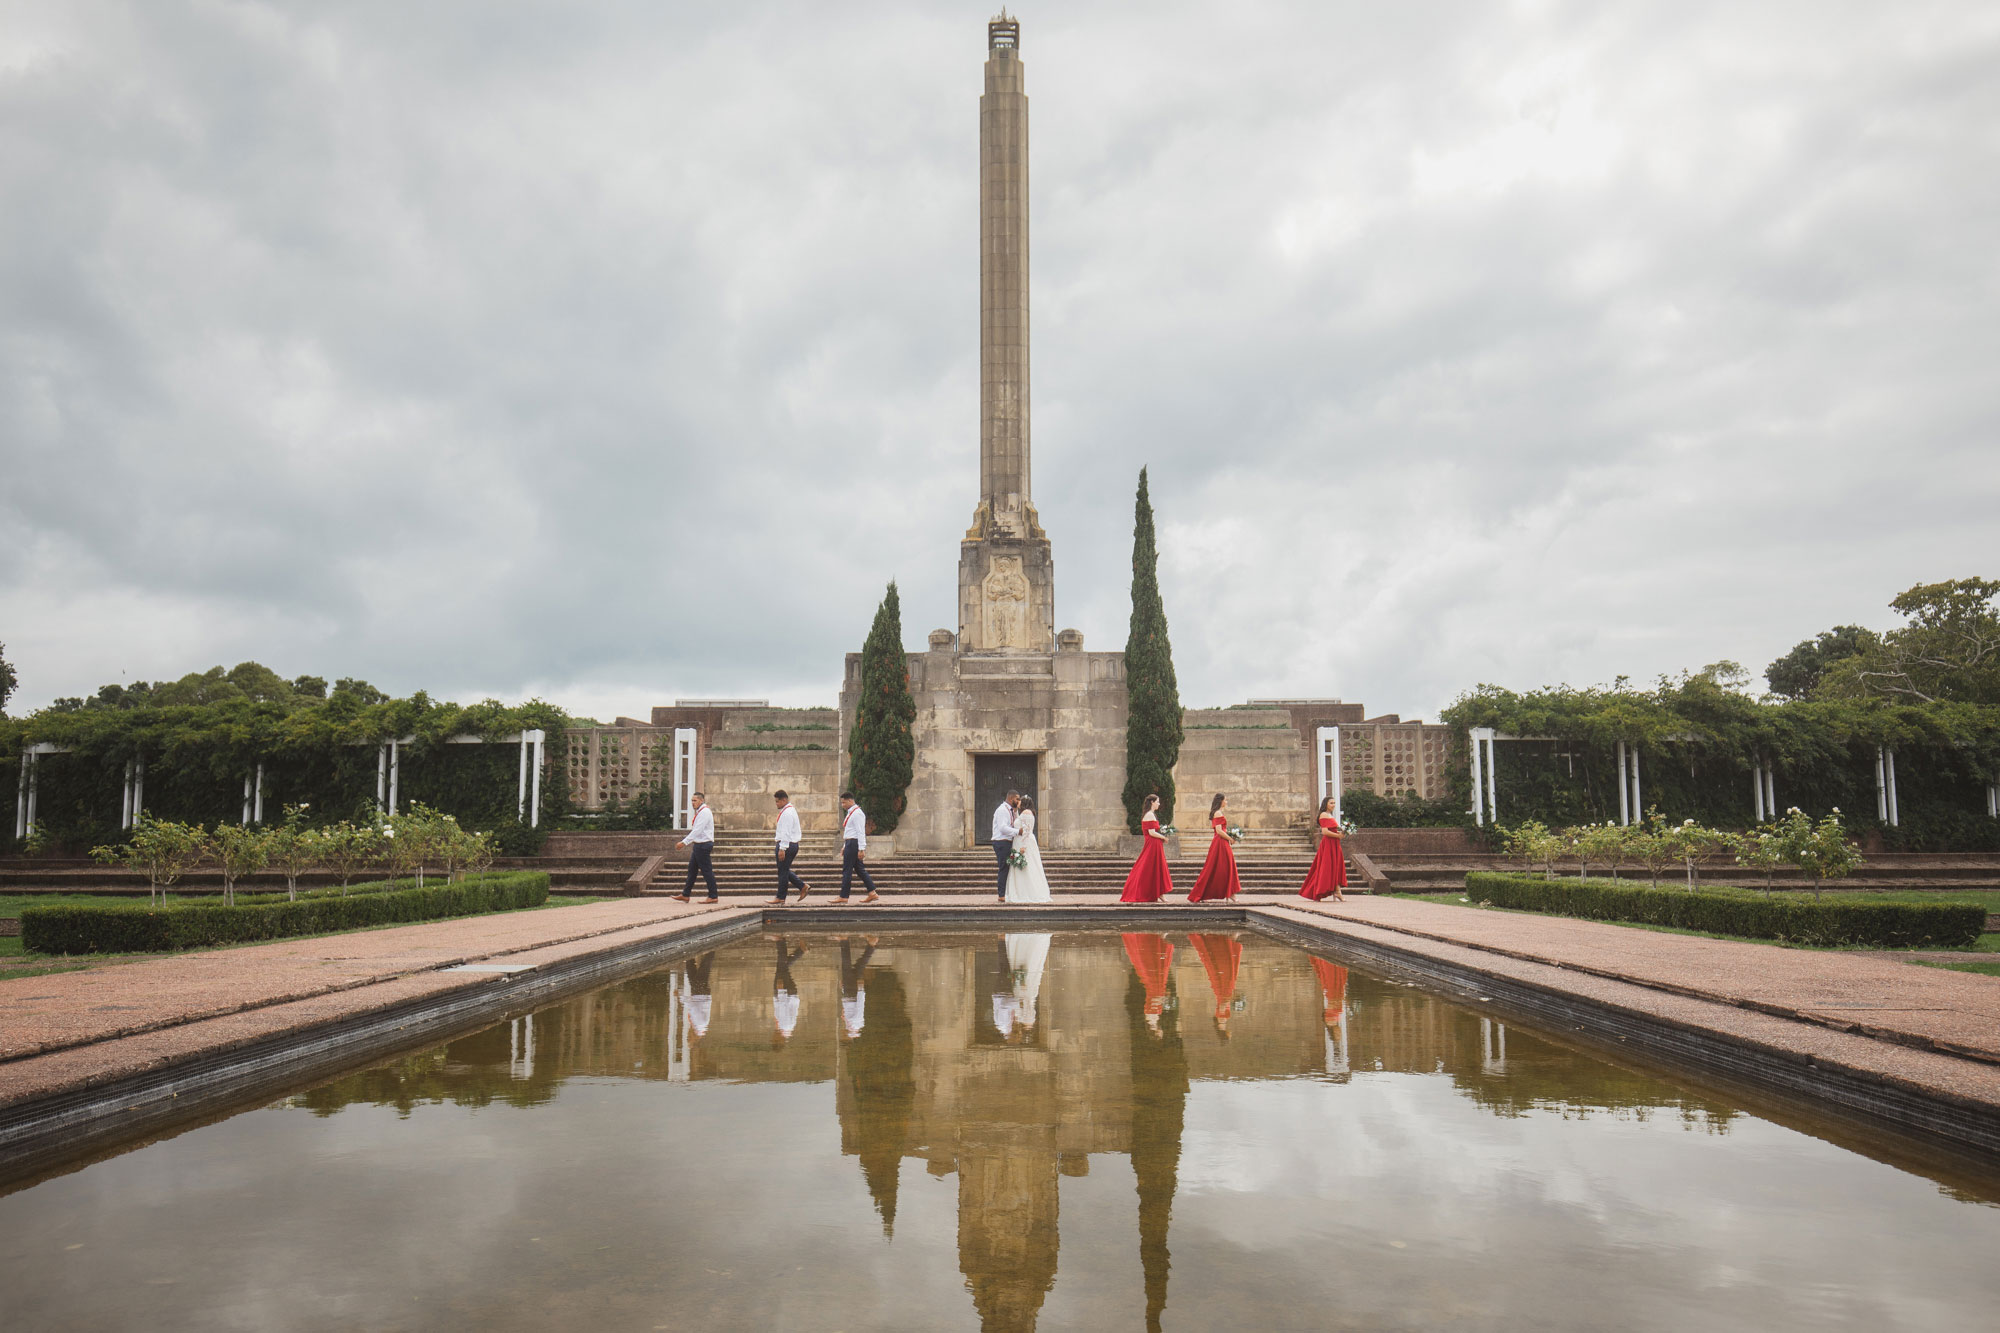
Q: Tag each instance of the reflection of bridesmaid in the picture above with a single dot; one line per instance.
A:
(1149, 880)
(1152, 956)
(1328, 875)
(1218, 881)
(1221, 955)
(1333, 985)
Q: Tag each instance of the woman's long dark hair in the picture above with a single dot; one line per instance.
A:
(1324, 804)
(1152, 803)
(1215, 805)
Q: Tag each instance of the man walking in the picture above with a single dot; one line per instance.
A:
(1003, 835)
(789, 836)
(700, 843)
(854, 848)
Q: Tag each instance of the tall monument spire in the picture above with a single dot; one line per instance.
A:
(1005, 575)
(1003, 283)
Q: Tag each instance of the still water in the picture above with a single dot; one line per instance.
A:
(1092, 1130)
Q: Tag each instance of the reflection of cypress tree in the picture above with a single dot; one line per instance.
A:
(879, 1072)
(1159, 1106)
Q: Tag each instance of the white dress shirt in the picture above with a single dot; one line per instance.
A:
(1003, 823)
(704, 826)
(788, 827)
(854, 1012)
(785, 1008)
(856, 827)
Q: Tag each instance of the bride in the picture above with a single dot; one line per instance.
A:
(1027, 883)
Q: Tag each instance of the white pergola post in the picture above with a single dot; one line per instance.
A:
(138, 788)
(684, 761)
(257, 811)
(1993, 800)
(1770, 791)
(1895, 814)
(1328, 753)
(246, 800)
(125, 799)
(381, 777)
(1638, 796)
(21, 815)
(1881, 788)
(395, 772)
(1757, 790)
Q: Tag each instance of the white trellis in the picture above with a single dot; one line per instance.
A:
(528, 789)
(1764, 790)
(1886, 808)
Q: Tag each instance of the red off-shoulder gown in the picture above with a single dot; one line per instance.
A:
(1149, 880)
(1152, 957)
(1333, 985)
(1221, 955)
(1218, 879)
(1329, 868)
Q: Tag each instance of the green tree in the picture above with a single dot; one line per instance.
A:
(1948, 652)
(1153, 722)
(881, 752)
(238, 850)
(8, 680)
(159, 849)
(1821, 850)
(1762, 851)
(1798, 673)
(294, 849)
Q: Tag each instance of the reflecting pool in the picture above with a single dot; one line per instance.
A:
(1087, 1130)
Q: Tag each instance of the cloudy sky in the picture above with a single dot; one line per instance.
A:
(620, 352)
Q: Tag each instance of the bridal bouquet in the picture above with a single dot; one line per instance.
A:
(1235, 833)
(1018, 859)
(1170, 831)
(1348, 826)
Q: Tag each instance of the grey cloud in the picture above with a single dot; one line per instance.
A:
(626, 352)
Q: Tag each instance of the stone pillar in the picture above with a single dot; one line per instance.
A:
(1006, 576)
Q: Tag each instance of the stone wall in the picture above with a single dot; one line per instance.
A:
(1255, 757)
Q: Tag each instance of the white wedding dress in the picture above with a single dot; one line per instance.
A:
(1027, 884)
(1028, 956)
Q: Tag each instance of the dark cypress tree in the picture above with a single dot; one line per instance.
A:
(1153, 729)
(881, 754)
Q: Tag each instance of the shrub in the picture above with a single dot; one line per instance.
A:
(1799, 920)
(132, 928)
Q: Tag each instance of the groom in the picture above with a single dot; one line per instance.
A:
(1003, 835)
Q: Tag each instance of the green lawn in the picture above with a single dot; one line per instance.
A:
(1988, 943)
(1983, 969)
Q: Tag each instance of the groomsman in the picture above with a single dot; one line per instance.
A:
(854, 848)
(700, 843)
(789, 837)
(1003, 835)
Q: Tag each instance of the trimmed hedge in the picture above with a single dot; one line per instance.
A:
(139, 928)
(1788, 916)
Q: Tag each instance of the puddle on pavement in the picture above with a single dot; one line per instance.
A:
(962, 1131)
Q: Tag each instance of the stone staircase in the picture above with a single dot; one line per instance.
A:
(743, 866)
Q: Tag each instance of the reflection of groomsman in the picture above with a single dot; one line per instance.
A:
(698, 999)
(785, 993)
(853, 994)
(789, 836)
(854, 848)
(700, 843)
(1003, 836)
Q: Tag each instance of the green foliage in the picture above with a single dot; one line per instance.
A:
(1948, 651)
(198, 736)
(1799, 920)
(160, 849)
(881, 750)
(1798, 673)
(1820, 849)
(1370, 810)
(8, 680)
(131, 928)
(1153, 725)
(1535, 844)
(237, 850)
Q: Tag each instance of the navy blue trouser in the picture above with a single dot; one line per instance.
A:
(1002, 849)
(851, 864)
(701, 861)
(787, 876)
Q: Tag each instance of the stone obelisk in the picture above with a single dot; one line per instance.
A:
(1006, 578)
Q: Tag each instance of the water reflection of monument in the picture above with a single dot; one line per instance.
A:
(1010, 1061)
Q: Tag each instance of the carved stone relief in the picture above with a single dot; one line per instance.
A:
(1005, 603)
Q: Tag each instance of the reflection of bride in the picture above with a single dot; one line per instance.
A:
(1027, 955)
(1027, 883)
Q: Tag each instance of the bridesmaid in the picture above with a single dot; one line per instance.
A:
(1218, 881)
(1149, 880)
(1328, 875)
